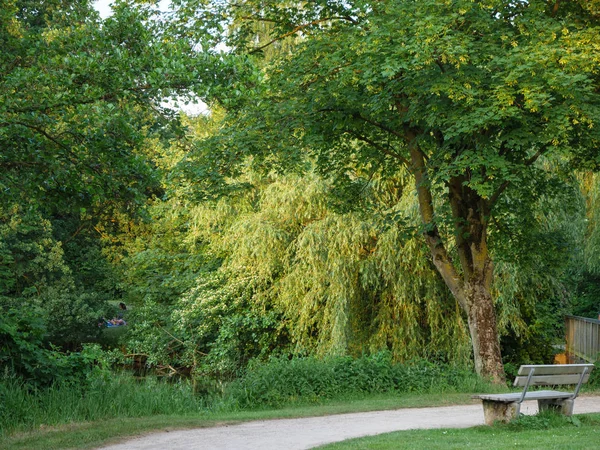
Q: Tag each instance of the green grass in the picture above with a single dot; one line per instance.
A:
(84, 435)
(23, 408)
(106, 406)
(546, 431)
(279, 383)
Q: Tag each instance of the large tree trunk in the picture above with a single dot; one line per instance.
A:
(471, 284)
(484, 332)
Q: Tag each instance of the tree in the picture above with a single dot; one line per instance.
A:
(79, 97)
(82, 102)
(476, 99)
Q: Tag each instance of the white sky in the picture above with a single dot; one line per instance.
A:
(103, 7)
(192, 109)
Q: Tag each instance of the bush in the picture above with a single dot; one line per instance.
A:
(23, 353)
(310, 380)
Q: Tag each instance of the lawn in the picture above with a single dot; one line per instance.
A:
(548, 431)
(94, 434)
(581, 432)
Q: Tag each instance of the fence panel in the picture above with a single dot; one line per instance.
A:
(582, 338)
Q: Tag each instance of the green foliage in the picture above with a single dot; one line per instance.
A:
(89, 95)
(24, 352)
(22, 349)
(590, 184)
(318, 248)
(156, 260)
(282, 381)
(293, 275)
(480, 101)
(594, 381)
(80, 112)
(289, 275)
(586, 301)
(35, 279)
(211, 331)
(31, 259)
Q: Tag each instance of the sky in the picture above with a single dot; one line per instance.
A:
(103, 7)
(193, 109)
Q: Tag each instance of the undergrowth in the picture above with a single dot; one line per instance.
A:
(283, 381)
(25, 408)
(273, 384)
(543, 420)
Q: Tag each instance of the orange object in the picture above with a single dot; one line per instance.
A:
(561, 358)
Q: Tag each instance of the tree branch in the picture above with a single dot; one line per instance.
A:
(379, 125)
(456, 197)
(11, 164)
(496, 195)
(441, 258)
(381, 148)
(298, 28)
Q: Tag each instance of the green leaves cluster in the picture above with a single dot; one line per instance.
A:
(480, 101)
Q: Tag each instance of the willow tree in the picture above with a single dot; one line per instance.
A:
(296, 277)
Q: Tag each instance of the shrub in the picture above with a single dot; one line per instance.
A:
(594, 381)
(309, 380)
(23, 353)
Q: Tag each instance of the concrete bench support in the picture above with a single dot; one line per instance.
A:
(500, 411)
(562, 406)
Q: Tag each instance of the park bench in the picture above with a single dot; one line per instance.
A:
(505, 407)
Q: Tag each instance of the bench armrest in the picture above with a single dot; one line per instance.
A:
(576, 393)
(527, 384)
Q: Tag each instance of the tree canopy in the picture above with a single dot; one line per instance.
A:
(476, 99)
(80, 98)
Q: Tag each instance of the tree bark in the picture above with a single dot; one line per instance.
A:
(481, 317)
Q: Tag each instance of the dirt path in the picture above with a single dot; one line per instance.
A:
(297, 434)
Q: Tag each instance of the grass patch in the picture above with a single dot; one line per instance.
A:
(544, 431)
(279, 383)
(84, 435)
(24, 408)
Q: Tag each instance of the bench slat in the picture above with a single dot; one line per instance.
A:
(549, 380)
(516, 396)
(555, 369)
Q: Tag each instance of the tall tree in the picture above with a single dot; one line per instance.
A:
(79, 96)
(475, 99)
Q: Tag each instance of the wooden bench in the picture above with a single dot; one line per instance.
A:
(505, 407)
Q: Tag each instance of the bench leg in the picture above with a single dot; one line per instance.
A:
(500, 411)
(562, 406)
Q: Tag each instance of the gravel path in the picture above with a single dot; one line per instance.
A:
(297, 434)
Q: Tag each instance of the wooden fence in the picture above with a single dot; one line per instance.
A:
(583, 338)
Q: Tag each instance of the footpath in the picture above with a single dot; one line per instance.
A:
(305, 433)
